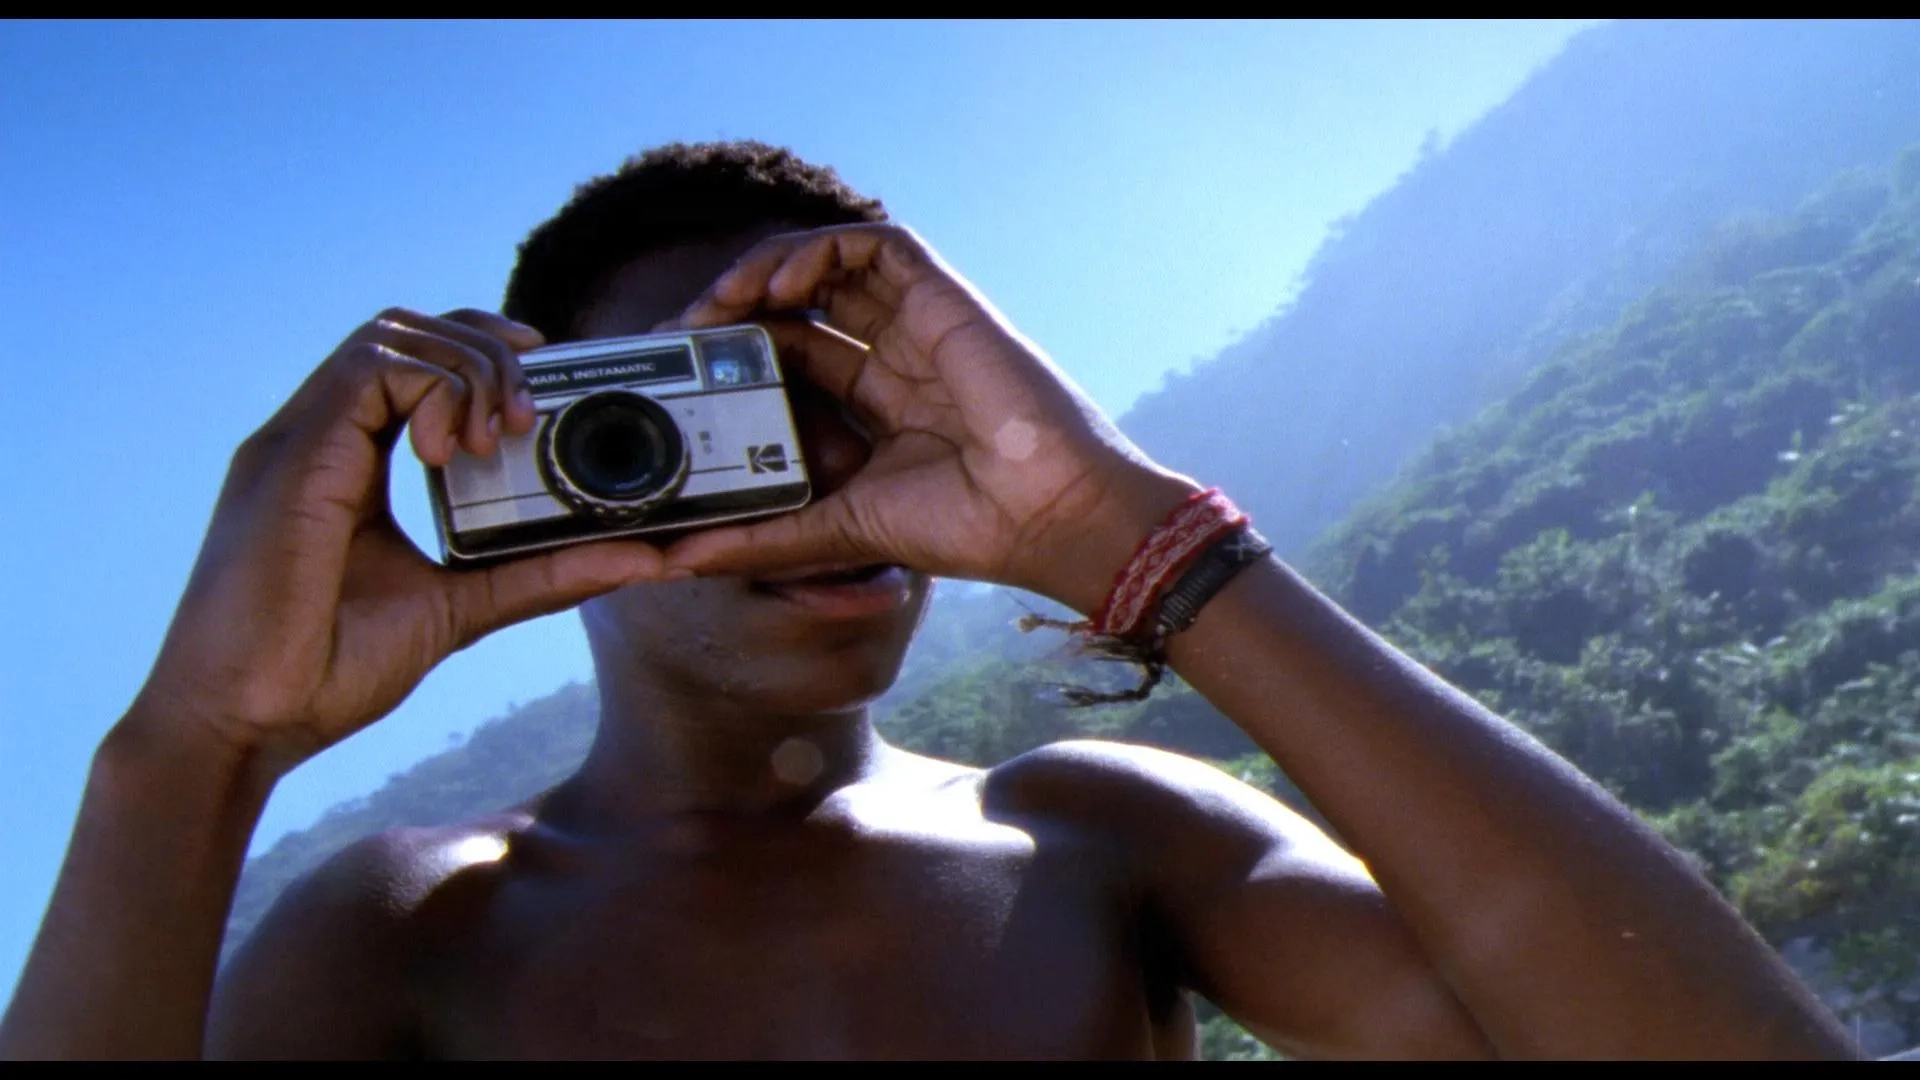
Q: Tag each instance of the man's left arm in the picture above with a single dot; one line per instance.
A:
(1253, 907)
(1560, 922)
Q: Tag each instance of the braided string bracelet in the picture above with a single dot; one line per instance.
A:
(1181, 564)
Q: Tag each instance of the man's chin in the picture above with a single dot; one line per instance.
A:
(836, 681)
(825, 642)
(849, 640)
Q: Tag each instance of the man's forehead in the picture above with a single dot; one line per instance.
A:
(660, 284)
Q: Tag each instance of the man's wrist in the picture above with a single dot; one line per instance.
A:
(1080, 570)
(146, 756)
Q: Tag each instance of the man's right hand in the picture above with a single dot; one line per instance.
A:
(309, 613)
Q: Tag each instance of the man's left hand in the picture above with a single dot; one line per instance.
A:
(988, 463)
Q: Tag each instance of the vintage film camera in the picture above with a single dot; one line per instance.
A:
(637, 435)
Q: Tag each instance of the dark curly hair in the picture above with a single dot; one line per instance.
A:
(674, 194)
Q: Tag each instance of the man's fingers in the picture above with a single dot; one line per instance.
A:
(380, 389)
(438, 420)
(856, 312)
(739, 292)
(485, 370)
(300, 457)
(518, 336)
(878, 396)
(503, 340)
(835, 363)
(817, 535)
(479, 429)
(482, 347)
(892, 255)
(790, 271)
(483, 601)
(803, 268)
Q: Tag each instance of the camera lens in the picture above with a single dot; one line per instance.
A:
(617, 448)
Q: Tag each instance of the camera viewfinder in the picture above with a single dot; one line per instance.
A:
(734, 360)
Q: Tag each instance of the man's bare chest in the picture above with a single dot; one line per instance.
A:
(937, 945)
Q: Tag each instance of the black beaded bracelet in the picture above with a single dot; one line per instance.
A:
(1208, 575)
(1178, 609)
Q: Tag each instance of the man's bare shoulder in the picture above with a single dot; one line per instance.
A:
(382, 879)
(330, 969)
(1142, 788)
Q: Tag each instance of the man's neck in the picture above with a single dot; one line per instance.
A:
(664, 752)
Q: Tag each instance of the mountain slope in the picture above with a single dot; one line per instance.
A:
(1686, 554)
(1542, 220)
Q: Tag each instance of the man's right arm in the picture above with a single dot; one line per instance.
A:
(125, 958)
(308, 616)
(329, 972)
(124, 965)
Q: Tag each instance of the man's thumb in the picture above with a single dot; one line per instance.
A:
(483, 601)
(817, 536)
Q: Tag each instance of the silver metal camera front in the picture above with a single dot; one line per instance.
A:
(726, 395)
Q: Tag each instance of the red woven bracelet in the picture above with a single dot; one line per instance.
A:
(1127, 627)
(1162, 557)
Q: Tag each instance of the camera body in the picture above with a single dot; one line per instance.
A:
(636, 436)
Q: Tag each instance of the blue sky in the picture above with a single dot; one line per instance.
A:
(191, 215)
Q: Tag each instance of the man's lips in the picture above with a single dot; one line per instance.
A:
(841, 593)
(819, 573)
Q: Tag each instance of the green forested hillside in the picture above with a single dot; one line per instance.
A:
(1687, 555)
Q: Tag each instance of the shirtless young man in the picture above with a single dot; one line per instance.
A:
(741, 868)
